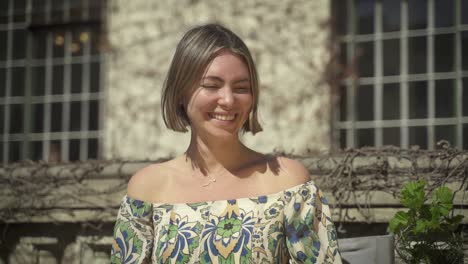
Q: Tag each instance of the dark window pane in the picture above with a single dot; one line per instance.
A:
(343, 104)
(93, 115)
(59, 44)
(465, 96)
(445, 102)
(444, 50)
(365, 103)
(79, 37)
(464, 46)
(418, 99)
(94, 77)
(36, 150)
(95, 41)
(57, 79)
(17, 81)
(343, 138)
(77, 73)
(55, 151)
(38, 80)
(4, 8)
(74, 150)
(365, 137)
(465, 136)
(365, 16)
(75, 116)
(16, 118)
(40, 45)
(417, 14)
(343, 54)
(57, 11)
(56, 121)
(14, 153)
(1, 151)
(417, 52)
(464, 11)
(76, 10)
(391, 15)
(92, 148)
(391, 136)
(96, 9)
(445, 133)
(391, 54)
(444, 13)
(19, 12)
(2, 82)
(2, 120)
(3, 44)
(19, 44)
(418, 136)
(365, 55)
(391, 101)
(38, 12)
(340, 16)
(37, 116)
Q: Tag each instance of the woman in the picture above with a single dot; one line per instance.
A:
(220, 202)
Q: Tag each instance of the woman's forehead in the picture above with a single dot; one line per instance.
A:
(227, 63)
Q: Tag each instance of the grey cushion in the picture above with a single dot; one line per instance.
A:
(363, 250)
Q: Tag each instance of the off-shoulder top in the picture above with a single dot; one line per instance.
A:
(292, 225)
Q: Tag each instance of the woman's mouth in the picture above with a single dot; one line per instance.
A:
(223, 117)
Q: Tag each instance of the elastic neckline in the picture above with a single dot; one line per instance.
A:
(268, 196)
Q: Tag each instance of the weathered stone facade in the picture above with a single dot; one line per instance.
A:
(65, 213)
(288, 40)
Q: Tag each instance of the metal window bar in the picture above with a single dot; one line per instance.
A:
(85, 103)
(378, 73)
(430, 74)
(6, 122)
(351, 87)
(458, 73)
(404, 93)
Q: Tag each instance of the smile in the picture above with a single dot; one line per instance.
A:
(223, 117)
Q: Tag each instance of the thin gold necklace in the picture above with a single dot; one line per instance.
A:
(212, 178)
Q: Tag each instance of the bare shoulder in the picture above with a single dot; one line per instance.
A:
(148, 182)
(295, 172)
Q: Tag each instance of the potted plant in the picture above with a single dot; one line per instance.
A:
(426, 232)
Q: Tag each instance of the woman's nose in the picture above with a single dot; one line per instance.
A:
(226, 97)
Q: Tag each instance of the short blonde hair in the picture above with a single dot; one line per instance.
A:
(197, 48)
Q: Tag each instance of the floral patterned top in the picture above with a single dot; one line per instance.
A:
(293, 225)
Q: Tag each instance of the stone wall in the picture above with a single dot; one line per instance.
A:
(288, 40)
(64, 213)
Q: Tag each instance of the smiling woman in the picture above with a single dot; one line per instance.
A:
(220, 201)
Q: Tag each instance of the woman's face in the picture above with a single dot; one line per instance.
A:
(221, 103)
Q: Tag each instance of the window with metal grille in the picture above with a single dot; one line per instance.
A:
(407, 64)
(51, 64)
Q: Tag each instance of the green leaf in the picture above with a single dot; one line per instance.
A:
(413, 195)
(398, 222)
(456, 220)
(422, 226)
(443, 198)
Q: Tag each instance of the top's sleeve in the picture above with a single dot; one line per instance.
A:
(310, 232)
(133, 233)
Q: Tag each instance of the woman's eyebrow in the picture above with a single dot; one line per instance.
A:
(216, 78)
(242, 80)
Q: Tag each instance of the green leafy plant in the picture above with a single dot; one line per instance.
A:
(426, 232)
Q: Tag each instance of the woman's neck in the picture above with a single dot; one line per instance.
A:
(211, 156)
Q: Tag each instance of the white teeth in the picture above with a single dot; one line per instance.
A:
(223, 117)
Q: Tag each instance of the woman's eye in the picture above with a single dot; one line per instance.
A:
(209, 86)
(242, 90)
